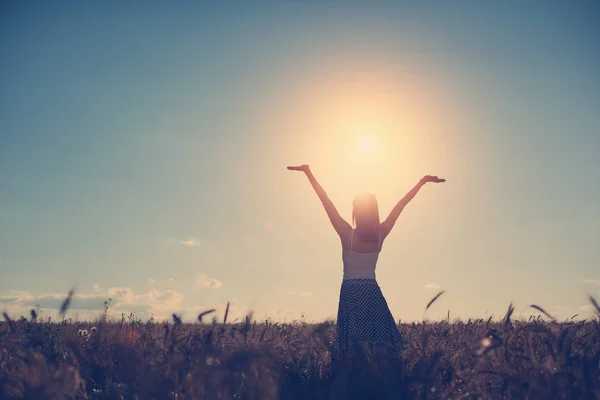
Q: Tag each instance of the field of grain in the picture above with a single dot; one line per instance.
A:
(134, 359)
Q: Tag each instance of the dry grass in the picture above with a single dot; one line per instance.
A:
(131, 359)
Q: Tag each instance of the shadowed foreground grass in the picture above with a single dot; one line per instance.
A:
(133, 359)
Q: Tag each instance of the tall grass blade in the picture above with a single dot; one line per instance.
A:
(11, 324)
(202, 314)
(540, 309)
(509, 313)
(437, 296)
(67, 302)
(595, 303)
(176, 319)
(226, 313)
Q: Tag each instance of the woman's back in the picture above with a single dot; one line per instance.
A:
(360, 264)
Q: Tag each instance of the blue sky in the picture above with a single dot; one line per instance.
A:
(143, 154)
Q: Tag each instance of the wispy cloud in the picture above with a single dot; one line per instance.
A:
(432, 286)
(305, 293)
(269, 226)
(587, 307)
(121, 294)
(592, 281)
(151, 281)
(96, 288)
(90, 306)
(52, 301)
(191, 242)
(289, 290)
(204, 281)
(160, 304)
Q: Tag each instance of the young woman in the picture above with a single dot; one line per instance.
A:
(363, 314)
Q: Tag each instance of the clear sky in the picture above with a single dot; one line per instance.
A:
(143, 154)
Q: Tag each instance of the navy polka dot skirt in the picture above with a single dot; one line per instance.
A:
(364, 318)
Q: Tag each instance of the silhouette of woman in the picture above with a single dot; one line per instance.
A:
(364, 318)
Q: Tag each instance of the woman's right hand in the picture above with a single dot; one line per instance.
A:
(303, 168)
(431, 178)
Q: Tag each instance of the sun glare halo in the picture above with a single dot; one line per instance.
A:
(366, 146)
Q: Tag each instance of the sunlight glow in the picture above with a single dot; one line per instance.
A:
(366, 146)
(369, 128)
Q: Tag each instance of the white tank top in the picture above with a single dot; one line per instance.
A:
(359, 265)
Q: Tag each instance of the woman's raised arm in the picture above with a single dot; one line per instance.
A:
(339, 224)
(387, 225)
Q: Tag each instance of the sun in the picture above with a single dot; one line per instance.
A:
(366, 146)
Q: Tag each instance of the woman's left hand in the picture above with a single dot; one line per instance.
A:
(431, 178)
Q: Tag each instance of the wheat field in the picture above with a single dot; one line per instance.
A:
(540, 358)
